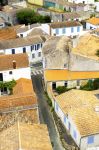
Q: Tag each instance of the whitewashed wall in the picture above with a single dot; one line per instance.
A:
(45, 28)
(19, 50)
(16, 74)
(66, 120)
(68, 31)
(88, 25)
(84, 144)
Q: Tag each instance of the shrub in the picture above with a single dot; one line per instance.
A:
(61, 89)
(97, 53)
(9, 85)
(91, 85)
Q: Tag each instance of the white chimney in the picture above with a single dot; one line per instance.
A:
(96, 108)
(29, 26)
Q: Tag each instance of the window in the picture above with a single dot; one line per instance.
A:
(74, 134)
(35, 47)
(10, 72)
(57, 31)
(13, 51)
(41, 44)
(21, 35)
(33, 55)
(39, 54)
(56, 107)
(90, 140)
(65, 65)
(78, 29)
(32, 48)
(72, 30)
(63, 30)
(38, 46)
(69, 126)
(78, 82)
(64, 119)
(24, 50)
(54, 85)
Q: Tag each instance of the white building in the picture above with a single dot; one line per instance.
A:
(14, 67)
(69, 79)
(30, 45)
(69, 28)
(23, 31)
(78, 111)
(82, 1)
(97, 6)
(92, 23)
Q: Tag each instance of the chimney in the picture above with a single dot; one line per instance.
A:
(97, 109)
(29, 26)
(14, 64)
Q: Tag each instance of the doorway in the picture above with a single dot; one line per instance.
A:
(1, 77)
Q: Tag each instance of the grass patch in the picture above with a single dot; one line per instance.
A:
(48, 100)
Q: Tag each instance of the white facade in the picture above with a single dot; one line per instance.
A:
(2, 25)
(68, 31)
(82, 1)
(91, 26)
(82, 142)
(34, 52)
(97, 6)
(16, 74)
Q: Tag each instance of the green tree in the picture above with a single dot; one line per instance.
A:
(97, 53)
(28, 16)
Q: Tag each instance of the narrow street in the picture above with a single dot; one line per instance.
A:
(45, 114)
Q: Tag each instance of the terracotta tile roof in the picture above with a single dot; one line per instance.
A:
(86, 120)
(25, 85)
(80, 106)
(19, 42)
(64, 24)
(23, 96)
(71, 15)
(25, 136)
(17, 101)
(76, 99)
(63, 75)
(7, 33)
(93, 20)
(6, 61)
(87, 46)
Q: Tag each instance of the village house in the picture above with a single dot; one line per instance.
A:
(30, 45)
(54, 49)
(69, 28)
(8, 13)
(19, 115)
(79, 112)
(82, 1)
(68, 16)
(83, 56)
(92, 23)
(73, 7)
(69, 79)
(14, 67)
(20, 105)
(24, 30)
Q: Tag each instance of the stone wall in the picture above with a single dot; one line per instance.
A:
(81, 63)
